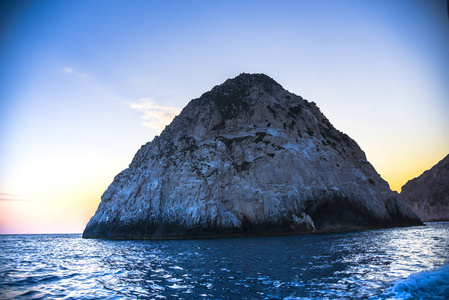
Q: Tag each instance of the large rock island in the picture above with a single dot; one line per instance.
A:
(428, 194)
(247, 158)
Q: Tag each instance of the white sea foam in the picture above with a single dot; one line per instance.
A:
(432, 284)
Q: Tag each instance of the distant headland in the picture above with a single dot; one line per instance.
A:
(428, 194)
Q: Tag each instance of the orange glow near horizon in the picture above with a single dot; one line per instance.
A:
(397, 166)
(397, 178)
(68, 215)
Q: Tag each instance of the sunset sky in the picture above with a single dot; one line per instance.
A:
(83, 84)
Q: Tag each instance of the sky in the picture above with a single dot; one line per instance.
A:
(84, 84)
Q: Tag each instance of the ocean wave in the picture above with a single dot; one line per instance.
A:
(432, 284)
(356, 265)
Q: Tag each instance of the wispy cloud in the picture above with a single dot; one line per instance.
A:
(10, 197)
(70, 70)
(154, 115)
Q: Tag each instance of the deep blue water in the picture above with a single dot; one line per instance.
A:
(400, 263)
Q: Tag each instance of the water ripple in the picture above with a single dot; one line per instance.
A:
(375, 264)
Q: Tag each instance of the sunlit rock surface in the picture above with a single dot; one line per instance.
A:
(428, 194)
(247, 158)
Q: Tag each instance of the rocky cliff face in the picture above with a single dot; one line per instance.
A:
(247, 158)
(428, 194)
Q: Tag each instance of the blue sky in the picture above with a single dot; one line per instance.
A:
(83, 84)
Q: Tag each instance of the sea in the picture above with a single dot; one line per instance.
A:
(396, 263)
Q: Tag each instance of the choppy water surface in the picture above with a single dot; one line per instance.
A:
(393, 263)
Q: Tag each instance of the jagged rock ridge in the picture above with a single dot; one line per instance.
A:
(247, 158)
(428, 194)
